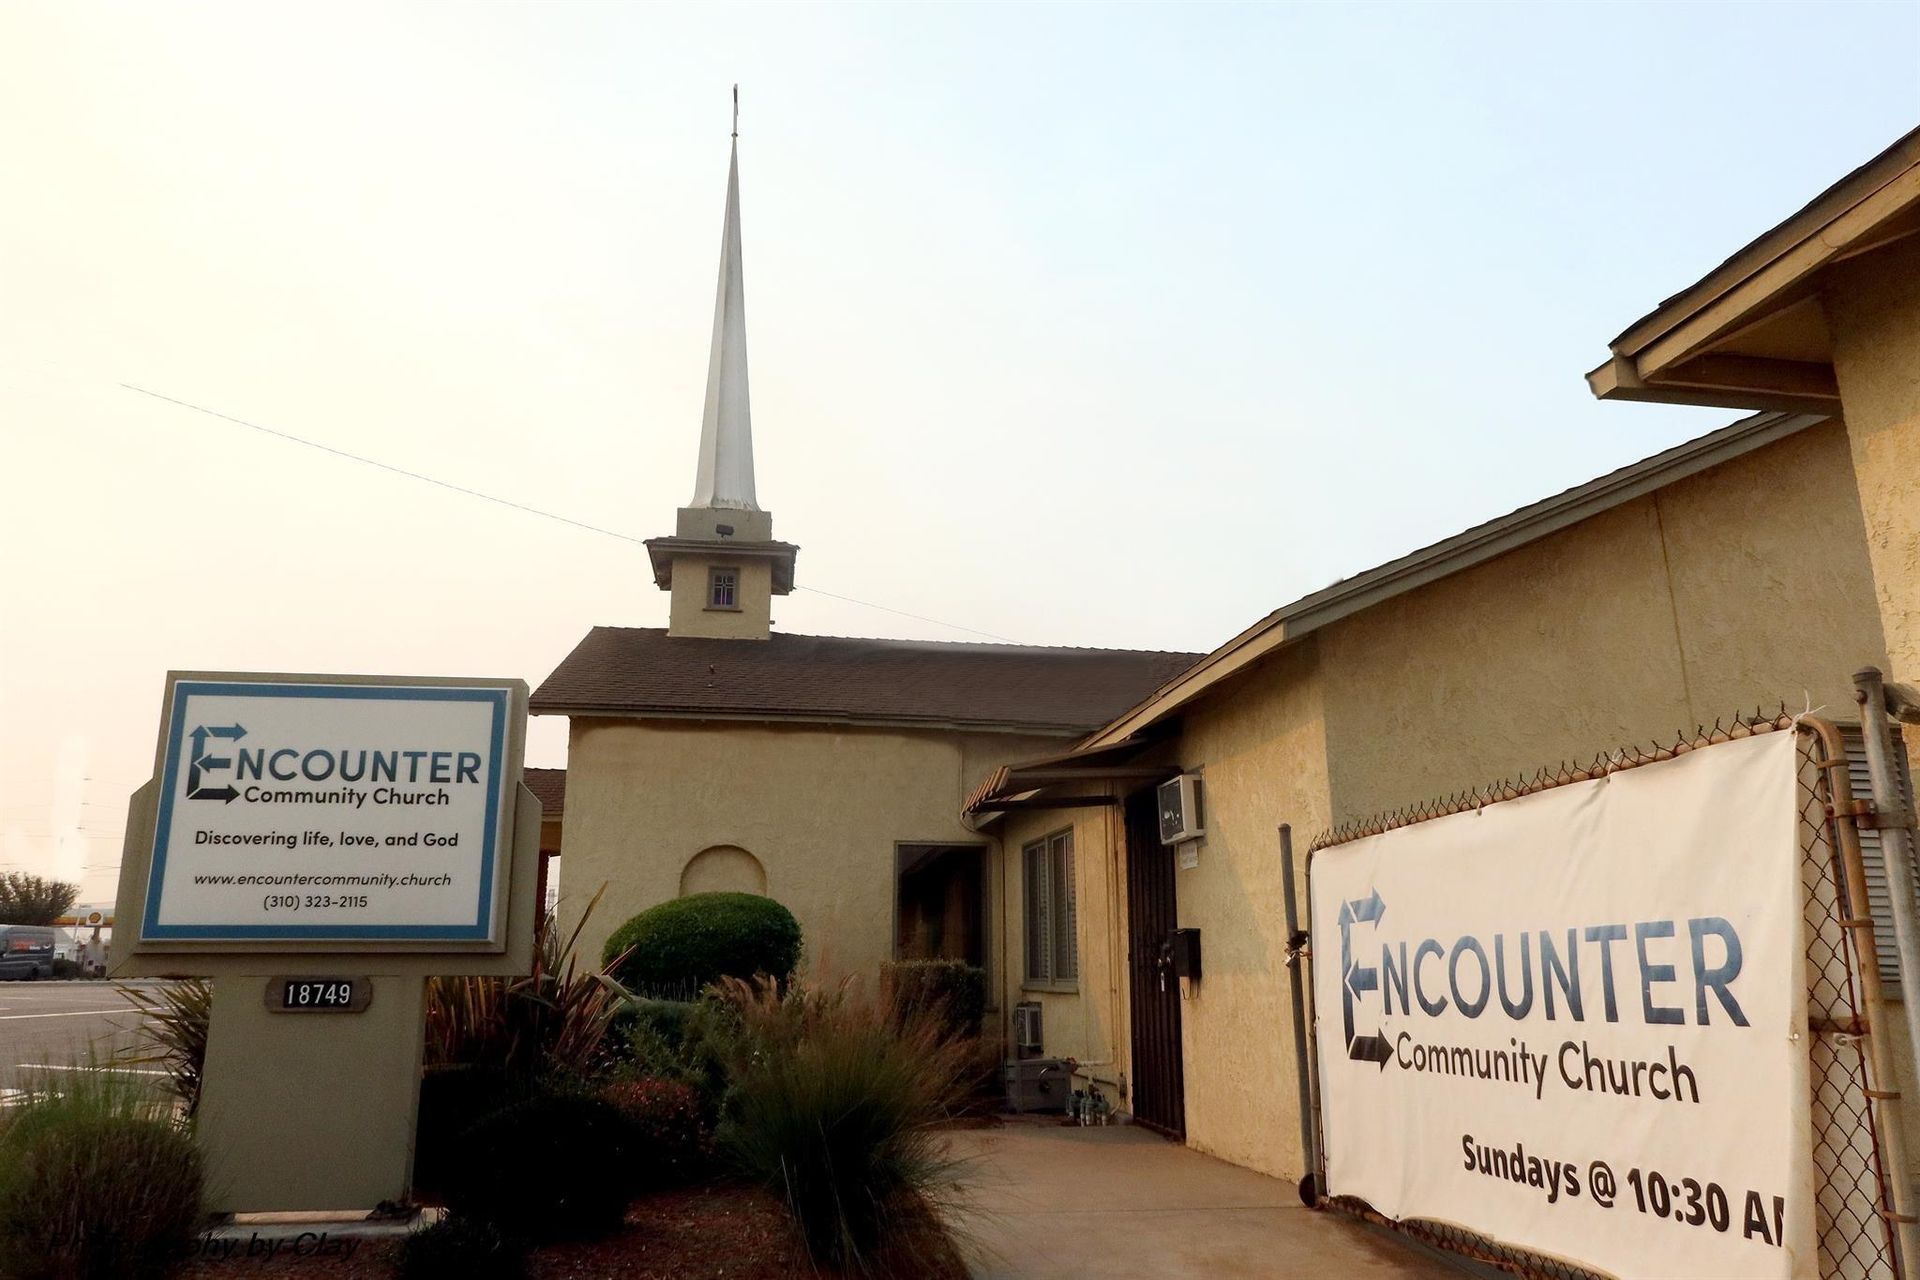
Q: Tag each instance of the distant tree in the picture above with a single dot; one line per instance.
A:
(26, 899)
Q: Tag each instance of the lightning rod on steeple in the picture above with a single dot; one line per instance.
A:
(736, 111)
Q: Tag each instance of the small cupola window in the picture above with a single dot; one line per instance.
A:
(723, 588)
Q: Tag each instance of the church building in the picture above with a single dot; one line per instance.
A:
(996, 803)
(826, 772)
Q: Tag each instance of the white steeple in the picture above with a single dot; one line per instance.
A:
(725, 476)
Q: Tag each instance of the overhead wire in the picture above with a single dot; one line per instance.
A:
(521, 507)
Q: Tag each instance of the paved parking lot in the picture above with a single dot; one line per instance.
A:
(1050, 1202)
(57, 1023)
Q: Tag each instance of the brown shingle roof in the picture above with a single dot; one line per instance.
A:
(644, 671)
(550, 785)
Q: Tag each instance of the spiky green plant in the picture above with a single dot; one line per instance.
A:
(833, 1106)
(173, 1034)
(99, 1177)
(552, 1022)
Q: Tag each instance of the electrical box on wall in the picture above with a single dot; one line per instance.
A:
(1180, 803)
(1183, 953)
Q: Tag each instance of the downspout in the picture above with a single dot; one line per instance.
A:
(1114, 937)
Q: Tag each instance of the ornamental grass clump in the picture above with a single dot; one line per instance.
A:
(98, 1178)
(954, 989)
(833, 1106)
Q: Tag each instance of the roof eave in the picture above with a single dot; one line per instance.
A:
(732, 714)
(1687, 350)
(1619, 379)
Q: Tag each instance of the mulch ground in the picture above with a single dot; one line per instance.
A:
(713, 1233)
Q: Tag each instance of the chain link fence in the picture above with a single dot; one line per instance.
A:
(1851, 1089)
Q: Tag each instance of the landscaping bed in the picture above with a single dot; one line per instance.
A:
(718, 1117)
(711, 1233)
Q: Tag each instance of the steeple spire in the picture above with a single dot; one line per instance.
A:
(725, 476)
(722, 564)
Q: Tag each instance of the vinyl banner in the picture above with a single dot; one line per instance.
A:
(1575, 1022)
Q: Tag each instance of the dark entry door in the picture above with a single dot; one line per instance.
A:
(1159, 1084)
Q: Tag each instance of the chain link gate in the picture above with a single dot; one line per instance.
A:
(1855, 1119)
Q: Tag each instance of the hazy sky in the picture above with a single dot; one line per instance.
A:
(1073, 324)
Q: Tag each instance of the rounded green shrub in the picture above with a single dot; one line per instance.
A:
(558, 1166)
(678, 948)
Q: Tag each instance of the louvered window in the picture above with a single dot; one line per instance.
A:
(1872, 850)
(1053, 952)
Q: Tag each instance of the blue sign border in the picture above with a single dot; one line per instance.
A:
(151, 930)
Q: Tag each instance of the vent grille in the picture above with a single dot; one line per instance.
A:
(1873, 849)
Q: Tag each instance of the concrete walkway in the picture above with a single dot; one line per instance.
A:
(1049, 1202)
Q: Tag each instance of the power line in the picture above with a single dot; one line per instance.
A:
(387, 466)
(521, 507)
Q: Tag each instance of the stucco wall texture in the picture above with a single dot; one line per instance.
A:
(1262, 746)
(1746, 584)
(820, 809)
(688, 614)
(1872, 305)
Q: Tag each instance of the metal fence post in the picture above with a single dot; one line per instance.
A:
(1296, 937)
(1889, 1132)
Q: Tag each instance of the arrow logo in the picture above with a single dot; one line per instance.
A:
(201, 761)
(1357, 979)
(1373, 1048)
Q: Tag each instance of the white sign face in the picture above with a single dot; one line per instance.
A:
(1575, 1022)
(351, 812)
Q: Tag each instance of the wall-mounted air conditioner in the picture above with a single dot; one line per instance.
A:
(1026, 1028)
(1180, 817)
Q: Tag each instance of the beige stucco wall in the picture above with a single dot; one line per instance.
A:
(1742, 586)
(688, 614)
(820, 808)
(1873, 313)
(1260, 744)
(1872, 305)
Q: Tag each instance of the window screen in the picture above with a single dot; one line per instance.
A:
(1053, 955)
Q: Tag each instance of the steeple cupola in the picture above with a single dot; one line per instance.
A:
(722, 565)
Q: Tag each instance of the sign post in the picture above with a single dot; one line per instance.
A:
(321, 845)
